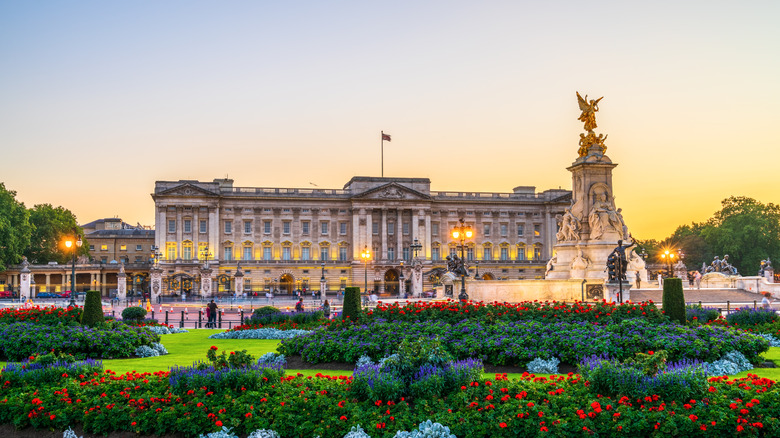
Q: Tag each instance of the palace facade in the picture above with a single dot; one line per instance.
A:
(283, 239)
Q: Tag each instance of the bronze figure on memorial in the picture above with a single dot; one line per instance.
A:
(589, 109)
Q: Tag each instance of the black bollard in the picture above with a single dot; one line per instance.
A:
(181, 324)
(166, 317)
(200, 320)
(220, 319)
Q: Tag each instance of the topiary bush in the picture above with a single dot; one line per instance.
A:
(351, 308)
(93, 309)
(265, 310)
(674, 300)
(134, 314)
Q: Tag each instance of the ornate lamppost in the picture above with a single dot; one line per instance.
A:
(462, 232)
(668, 256)
(323, 283)
(401, 285)
(476, 276)
(416, 283)
(75, 244)
(365, 255)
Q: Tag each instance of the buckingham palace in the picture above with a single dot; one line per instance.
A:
(284, 239)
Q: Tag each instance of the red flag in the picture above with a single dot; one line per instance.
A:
(385, 137)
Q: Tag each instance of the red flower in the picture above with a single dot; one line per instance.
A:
(650, 352)
(703, 427)
(218, 423)
(343, 418)
(502, 425)
(248, 414)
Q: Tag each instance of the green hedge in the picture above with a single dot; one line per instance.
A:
(351, 303)
(93, 309)
(674, 300)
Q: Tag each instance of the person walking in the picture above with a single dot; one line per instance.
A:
(326, 309)
(299, 305)
(208, 316)
(765, 302)
(213, 314)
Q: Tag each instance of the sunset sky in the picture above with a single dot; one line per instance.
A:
(98, 100)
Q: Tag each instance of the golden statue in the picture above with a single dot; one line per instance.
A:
(589, 109)
(586, 141)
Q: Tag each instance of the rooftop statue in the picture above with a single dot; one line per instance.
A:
(589, 109)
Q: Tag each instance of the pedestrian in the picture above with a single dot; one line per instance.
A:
(213, 314)
(660, 281)
(326, 309)
(765, 303)
(299, 305)
(697, 279)
(638, 281)
(208, 316)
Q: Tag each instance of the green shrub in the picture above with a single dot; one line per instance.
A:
(265, 310)
(93, 309)
(351, 308)
(674, 300)
(134, 314)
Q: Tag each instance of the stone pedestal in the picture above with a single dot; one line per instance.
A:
(417, 278)
(121, 286)
(239, 283)
(681, 271)
(323, 287)
(769, 274)
(206, 277)
(25, 277)
(155, 275)
(613, 292)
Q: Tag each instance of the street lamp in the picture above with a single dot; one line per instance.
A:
(416, 247)
(668, 256)
(365, 255)
(462, 232)
(476, 276)
(323, 285)
(75, 244)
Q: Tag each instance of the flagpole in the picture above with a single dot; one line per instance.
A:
(382, 136)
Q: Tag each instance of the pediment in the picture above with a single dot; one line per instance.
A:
(187, 189)
(392, 192)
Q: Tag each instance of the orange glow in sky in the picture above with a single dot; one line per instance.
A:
(98, 100)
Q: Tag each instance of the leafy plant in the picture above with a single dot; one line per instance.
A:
(93, 309)
(351, 307)
(265, 310)
(747, 316)
(135, 314)
(674, 300)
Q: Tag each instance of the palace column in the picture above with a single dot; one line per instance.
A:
(384, 235)
(48, 282)
(214, 232)
(428, 238)
(358, 233)
(399, 230)
(370, 231)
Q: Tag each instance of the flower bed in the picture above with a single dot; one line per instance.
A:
(261, 333)
(455, 311)
(324, 406)
(40, 315)
(20, 340)
(519, 342)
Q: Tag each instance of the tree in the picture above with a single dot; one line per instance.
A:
(351, 307)
(745, 229)
(93, 309)
(15, 228)
(674, 300)
(51, 227)
(689, 238)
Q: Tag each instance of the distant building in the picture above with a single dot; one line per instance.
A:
(111, 242)
(287, 238)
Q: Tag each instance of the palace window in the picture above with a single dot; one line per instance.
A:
(391, 253)
(324, 227)
(170, 250)
(520, 230)
(228, 253)
(171, 225)
(406, 228)
(343, 254)
(267, 255)
(186, 250)
(504, 254)
(123, 247)
(537, 230)
(203, 249)
(435, 229)
(305, 253)
(324, 253)
(487, 253)
(286, 253)
(391, 228)
(267, 227)
(247, 253)
(537, 253)
(486, 230)
(228, 227)
(202, 225)
(503, 230)
(435, 254)
(375, 228)
(247, 227)
(305, 227)
(469, 253)
(406, 254)
(343, 228)
(286, 227)
(137, 248)
(187, 225)
(91, 247)
(521, 252)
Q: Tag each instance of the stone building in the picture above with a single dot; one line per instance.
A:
(283, 239)
(111, 242)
